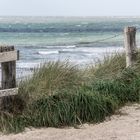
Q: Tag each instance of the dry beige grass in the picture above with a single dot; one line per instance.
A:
(124, 126)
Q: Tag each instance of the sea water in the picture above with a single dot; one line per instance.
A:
(80, 40)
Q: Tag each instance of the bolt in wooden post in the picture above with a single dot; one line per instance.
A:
(8, 71)
(130, 46)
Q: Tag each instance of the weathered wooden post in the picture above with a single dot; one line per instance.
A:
(8, 70)
(8, 57)
(130, 46)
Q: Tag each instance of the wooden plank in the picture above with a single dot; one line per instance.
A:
(9, 56)
(8, 92)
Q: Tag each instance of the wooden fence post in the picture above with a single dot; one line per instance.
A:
(8, 71)
(8, 75)
(130, 46)
(8, 57)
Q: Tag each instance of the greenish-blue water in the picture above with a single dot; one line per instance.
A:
(77, 39)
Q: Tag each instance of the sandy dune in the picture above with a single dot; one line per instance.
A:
(125, 126)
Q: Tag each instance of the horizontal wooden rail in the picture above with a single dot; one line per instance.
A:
(8, 92)
(9, 56)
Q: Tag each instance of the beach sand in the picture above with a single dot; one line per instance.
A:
(125, 125)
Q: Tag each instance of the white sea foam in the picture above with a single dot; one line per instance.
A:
(48, 52)
(60, 47)
(72, 46)
(27, 65)
(104, 50)
(92, 50)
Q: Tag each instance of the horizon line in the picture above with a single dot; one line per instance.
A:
(116, 16)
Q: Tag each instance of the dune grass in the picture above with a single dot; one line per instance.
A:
(50, 78)
(109, 67)
(60, 94)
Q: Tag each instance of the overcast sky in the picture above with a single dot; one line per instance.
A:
(70, 7)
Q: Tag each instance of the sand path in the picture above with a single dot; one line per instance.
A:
(124, 126)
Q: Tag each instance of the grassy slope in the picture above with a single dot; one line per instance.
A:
(60, 94)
